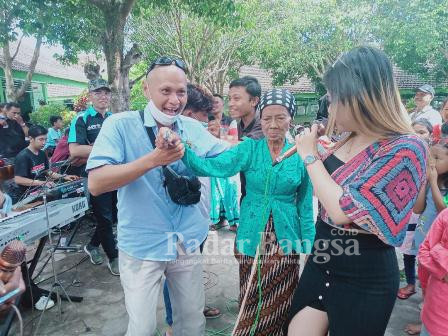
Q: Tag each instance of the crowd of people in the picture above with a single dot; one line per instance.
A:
(166, 175)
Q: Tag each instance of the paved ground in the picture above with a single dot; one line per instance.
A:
(103, 308)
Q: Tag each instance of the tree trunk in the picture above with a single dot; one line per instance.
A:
(115, 16)
(118, 68)
(113, 50)
(14, 94)
(10, 89)
(132, 57)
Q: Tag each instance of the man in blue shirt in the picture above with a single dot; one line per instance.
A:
(84, 130)
(152, 229)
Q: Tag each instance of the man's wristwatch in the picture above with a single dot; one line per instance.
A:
(310, 159)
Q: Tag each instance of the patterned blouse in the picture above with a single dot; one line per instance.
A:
(380, 186)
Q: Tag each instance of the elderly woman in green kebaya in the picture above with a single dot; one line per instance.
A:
(276, 222)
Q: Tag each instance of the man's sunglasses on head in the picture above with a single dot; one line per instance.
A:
(165, 60)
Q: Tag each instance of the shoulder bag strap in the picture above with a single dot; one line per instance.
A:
(149, 130)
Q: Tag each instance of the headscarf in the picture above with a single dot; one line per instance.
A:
(281, 97)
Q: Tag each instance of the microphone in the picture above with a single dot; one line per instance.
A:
(11, 257)
(293, 149)
(285, 155)
(166, 137)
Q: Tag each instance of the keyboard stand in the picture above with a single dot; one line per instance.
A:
(34, 262)
(69, 247)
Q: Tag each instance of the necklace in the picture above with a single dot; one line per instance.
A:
(353, 148)
(348, 146)
(346, 150)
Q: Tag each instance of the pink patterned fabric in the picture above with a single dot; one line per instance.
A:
(380, 186)
(433, 267)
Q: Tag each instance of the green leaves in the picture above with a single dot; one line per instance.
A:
(43, 114)
(208, 35)
(415, 34)
(290, 38)
(72, 23)
(305, 36)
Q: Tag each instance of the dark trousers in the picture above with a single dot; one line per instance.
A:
(103, 208)
(409, 268)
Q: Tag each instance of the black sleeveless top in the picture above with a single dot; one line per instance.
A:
(332, 163)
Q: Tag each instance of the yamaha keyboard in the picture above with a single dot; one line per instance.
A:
(31, 224)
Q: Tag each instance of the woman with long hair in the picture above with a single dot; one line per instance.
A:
(367, 185)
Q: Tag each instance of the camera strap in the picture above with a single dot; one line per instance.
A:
(149, 131)
(181, 189)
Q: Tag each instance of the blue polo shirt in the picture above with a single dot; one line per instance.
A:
(150, 224)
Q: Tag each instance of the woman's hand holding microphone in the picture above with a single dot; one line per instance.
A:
(306, 141)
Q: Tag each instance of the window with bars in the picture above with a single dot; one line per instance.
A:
(17, 83)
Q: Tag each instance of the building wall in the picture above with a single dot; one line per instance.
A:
(47, 88)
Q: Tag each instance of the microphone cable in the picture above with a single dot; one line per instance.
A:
(30, 189)
(33, 188)
(48, 179)
(19, 317)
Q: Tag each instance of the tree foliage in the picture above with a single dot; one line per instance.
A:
(104, 28)
(290, 38)
(304, 37)
(137, 99)
(40, 19)
(212, 47)
(43, 114)
(307, 36)
(415, 34)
